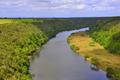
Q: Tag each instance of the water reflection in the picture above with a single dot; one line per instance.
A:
(32, 58)
(36, 54)
(94, 68)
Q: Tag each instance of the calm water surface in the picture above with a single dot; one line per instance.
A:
(56, 61)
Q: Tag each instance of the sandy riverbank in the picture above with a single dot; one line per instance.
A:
(94, 50)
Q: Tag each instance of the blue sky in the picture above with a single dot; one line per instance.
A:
(59, 8)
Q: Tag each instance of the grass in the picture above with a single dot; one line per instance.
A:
(92, 43)
(2, 21)
(97, 54)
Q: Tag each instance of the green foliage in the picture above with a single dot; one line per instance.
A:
(95, 61)
(110, 70)
(1, 78)
(86, 56)
(68, 39)
(73, 47)
(107, 33)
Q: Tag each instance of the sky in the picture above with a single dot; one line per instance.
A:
(59, 8)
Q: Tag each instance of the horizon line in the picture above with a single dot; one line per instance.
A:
(59, 17)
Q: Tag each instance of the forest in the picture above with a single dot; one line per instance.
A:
(107, 33)
(20, 38)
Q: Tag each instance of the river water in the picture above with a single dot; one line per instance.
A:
(56, 61)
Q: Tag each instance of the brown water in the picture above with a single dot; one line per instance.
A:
(56, 61)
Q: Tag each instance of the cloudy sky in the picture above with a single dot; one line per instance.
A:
(59, 8)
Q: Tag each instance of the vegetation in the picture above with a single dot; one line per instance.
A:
(107, 33)
(75, 48)
(95, 61)
(68, 39)
(110, 70)
(5, 21)
(20, 37)
(86, 56)
(17, 40)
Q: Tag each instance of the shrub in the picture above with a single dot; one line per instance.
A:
(1, 78)
(76, 48)
(68, 39)
(7, 70)
(73, 47)
(95, 61)
(110, 70)
(86, 56)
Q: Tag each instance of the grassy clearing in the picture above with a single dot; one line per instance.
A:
(95, 53)
(2, 21)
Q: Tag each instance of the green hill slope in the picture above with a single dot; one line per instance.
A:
(107, 33)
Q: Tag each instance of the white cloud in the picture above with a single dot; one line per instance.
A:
(101, 8)
(12, 4)
(61, 7)
(81, 6)
(103, 5)
(62, 1)
(70, 6)
(95, 5)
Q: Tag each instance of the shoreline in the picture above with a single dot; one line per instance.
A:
(90, 49)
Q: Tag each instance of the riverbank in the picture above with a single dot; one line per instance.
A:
(95, 53)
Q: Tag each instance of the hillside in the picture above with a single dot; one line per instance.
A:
(107, 33)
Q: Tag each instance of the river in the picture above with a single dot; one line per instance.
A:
(56, 61)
